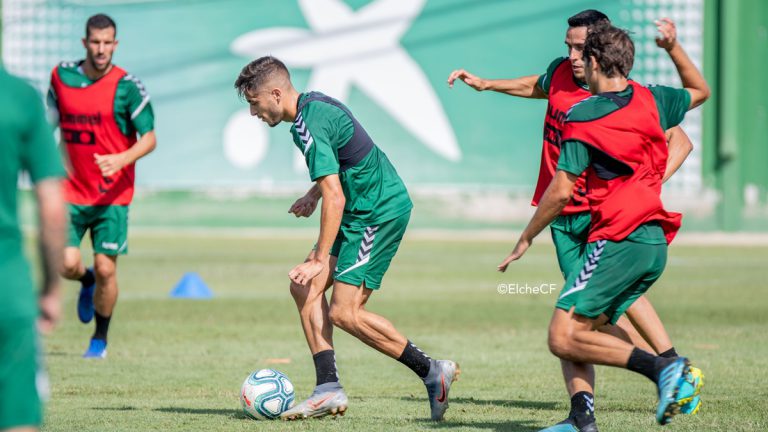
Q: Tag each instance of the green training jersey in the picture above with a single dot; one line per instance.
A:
(373, 190)
(26, 144)
(133, 110)
(576, 156)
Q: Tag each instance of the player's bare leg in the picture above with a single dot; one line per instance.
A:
(74, 269)
(328, 396)
(572, 337)
(105, 269)
(104, 300)
(348, 313)
(580, 377)
(647, 322)
(313, 308)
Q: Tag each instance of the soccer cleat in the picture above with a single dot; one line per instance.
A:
(568, 425)
(688, 396)
(691, 407)
(670, 380)
(85, 301)
(97, 349)
(318, 405)
(442, 373)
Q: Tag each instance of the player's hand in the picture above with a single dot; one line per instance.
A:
(473, 81)
(517, 253)
(50, 312)
(304, 206)
(303, 273)
(667, 38)
(110, 164)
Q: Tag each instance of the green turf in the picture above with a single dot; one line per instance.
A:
(177, 365)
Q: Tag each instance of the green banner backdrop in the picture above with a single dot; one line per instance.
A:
(387, 59)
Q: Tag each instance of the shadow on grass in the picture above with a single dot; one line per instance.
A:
(501, 426)
(231, 413)
(525, 404)
(122, 408)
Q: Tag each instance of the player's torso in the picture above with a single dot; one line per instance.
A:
(17, 297)
(624, 179)
(13, 127)
(89, 126)
(564, 92)
(373, 190)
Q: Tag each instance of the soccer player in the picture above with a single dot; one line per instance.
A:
(364, 213)
(617, 138)
(563, 85)
(100, 109)
(26, 144)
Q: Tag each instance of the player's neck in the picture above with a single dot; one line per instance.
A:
(291, 105)
(92, 73)
(604, 84)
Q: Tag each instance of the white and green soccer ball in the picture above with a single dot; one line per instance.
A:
(265, 394)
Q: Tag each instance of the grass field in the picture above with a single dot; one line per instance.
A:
(177, 365)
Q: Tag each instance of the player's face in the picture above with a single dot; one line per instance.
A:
(265, 105)
(591, 74)
(574, 40)
(99, 46)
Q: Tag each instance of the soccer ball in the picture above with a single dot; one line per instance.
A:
(265, 394)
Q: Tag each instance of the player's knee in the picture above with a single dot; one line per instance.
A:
(342, 318)
(69, 267)
(559, 343)
(298, 291)
(104, 269)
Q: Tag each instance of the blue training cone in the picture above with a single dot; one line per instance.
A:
(191, 286)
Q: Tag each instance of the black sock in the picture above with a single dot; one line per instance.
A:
(325, 367)
(102, 326)
(415, 359)
(582, 409)
(647, 364)
(87, 279)
(670, 353)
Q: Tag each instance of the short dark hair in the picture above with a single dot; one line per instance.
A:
(259, 72)
(587, 18)
(99, 22)
(612, 48)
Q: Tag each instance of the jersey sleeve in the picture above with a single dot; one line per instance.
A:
(52, 107)
(672, 104)
(575, 157)
(545, 80)
(139, 108)
(39, 155)
(321, 150)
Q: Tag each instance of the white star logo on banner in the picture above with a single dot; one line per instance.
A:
(346, 47)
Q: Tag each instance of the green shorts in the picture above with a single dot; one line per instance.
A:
(612, 276)
(108, 225)
(569, 234)
(20, 375)
(364, 253)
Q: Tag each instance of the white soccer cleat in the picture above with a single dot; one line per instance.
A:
(318, 405)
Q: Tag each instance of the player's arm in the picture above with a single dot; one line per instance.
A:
(331, 212)
(306, 205)
(112, 163)
(680, 146)
(52, 214)
(141, 115)
(522, 87)
(690, 76)
(554, 200)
